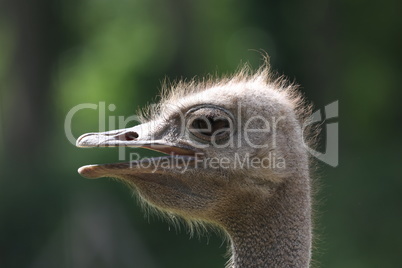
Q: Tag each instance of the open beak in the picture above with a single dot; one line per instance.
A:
(149, 136)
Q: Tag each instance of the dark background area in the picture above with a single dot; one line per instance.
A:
(55, 55)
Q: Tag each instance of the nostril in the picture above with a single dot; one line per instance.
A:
(131, 135)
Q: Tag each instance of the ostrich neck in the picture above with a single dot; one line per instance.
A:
(275, 231)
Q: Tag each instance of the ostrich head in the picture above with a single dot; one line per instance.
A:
(235, 159)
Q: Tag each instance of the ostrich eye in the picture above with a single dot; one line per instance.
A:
(210, 124)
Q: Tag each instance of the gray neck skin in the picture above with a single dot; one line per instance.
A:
(274, 232)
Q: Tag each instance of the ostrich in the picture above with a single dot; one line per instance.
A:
(236, 159)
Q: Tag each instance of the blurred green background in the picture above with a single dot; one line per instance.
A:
(55, 55)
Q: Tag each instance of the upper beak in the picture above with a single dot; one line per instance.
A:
(141, 136)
